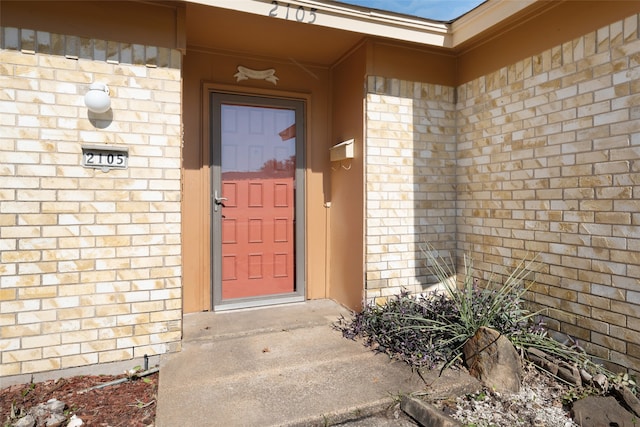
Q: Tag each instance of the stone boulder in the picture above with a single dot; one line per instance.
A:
(598, 411)
(492, 359)
(627, 398)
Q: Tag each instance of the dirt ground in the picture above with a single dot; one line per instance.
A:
(131, 404)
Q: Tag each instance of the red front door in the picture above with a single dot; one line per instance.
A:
(254, 200)
(257, 234)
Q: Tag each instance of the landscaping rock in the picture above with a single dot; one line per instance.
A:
(426, 414)
(570, 374)
(601, 381)
(74, 421)
(55, 420)
(628, 399)
(586, 377)
(50, 414)
(27, 421)
(541, 359)
(567, 372)
(598, 411)
(492, 359)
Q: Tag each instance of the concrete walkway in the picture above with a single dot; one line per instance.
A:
(278, 366)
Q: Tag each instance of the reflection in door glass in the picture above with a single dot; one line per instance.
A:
(258, 140)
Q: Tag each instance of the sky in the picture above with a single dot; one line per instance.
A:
(440, 10)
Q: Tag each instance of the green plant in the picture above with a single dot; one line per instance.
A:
(479, 396)
(391, 328)
(70, 410)
(29, 388)
(626, 380)
(577, 393)
(496, 305)
(428, 329)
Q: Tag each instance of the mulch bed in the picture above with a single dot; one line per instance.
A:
(131, 404)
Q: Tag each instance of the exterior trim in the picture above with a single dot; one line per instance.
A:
(391, 25)
(299, 293)
(353, 18)
(30, 41)
(207, 223)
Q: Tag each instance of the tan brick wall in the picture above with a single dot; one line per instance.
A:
(90, 267)
(410, 182)
(549, 163)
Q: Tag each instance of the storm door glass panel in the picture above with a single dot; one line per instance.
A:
(257, 186)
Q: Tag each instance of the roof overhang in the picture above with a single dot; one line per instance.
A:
(488, 15)
(378, 23)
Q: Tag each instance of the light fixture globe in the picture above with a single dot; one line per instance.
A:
(97, 98)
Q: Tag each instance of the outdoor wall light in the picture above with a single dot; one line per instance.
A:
(97, 98)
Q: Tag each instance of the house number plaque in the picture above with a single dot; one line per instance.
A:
(105, 157)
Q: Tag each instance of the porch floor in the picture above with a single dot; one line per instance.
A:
(281, 365)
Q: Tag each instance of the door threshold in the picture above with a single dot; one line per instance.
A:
(257, 303)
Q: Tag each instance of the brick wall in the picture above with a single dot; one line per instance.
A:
(549, 163)
(90, 267)
(540, 157)
(410, 182)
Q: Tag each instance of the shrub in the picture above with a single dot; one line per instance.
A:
(430, 329)
(396, 329)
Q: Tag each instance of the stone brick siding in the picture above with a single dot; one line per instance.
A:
(410, 182)
(540, 157)
(90, 262)
(549, 164)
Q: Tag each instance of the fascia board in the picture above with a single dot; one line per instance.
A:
(484, 17)
(343, 17)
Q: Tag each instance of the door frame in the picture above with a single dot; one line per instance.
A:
(214, 156)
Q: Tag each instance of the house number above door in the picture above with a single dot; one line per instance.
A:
(300, 13)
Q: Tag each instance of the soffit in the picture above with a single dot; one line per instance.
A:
(344, 17)
(332, 15)
(224, 29)
(245, 26)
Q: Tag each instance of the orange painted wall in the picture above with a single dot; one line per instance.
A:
(346, 255)
(215, 70)
(106, 20)
(408, 62)
(558, 22)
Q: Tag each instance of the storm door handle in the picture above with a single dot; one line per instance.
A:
(218, 201)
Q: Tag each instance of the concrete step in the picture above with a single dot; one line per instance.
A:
(284, 366)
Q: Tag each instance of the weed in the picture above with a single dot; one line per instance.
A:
(626, 380)
(576, 393)
(29, 388)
